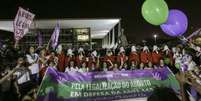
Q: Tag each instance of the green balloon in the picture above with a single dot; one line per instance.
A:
(155, 11)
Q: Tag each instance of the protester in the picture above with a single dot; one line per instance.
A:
(61, 58)
(134, 56)
(72, 67)
(32, 59)
(156, 55)
(83, 67)
(145, 55)
(167, 56)
(80, 57)
(22, 76)
(69, 56)
(91, 61)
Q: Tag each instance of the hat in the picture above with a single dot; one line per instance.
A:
(173, 49)
(155, 48)
(133, 49)
(198, 49)
(122, 49)
(94, 53)
(165, 48)
(145, 48)
(80, 50)
(59, 48)
(70, 52)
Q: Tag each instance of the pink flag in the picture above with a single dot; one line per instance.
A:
(22, 23)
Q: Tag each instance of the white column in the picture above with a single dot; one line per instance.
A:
(109, 44)
(113, 37)
(119, 28)
(107, 41)
(104, 42)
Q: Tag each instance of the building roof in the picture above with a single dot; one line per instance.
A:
(99, 27)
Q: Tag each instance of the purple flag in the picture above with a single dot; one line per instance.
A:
(40, 39)
(55, 36)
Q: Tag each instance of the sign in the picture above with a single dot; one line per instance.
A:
(83, 34)
(22, 23)
(101, 86)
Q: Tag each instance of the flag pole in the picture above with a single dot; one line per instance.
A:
(16, 43)
(47, 47)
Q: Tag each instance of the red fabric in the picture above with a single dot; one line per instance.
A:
(134, 57)
(121, 56)
(79, 61)
(68, 59)
(170, 56)
(111, 58)
(92, 61)
(156, 57)
(42, 72)
(145, 57)
(61, 62)
(42, 68)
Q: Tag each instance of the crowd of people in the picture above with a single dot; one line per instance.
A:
(31, 64)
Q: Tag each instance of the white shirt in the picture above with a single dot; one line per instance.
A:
(71, 69)
(32, 59)
(191, 65)
(24, 78)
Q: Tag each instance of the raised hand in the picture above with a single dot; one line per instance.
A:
(156, 76)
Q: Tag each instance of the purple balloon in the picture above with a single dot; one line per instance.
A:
(176, 25)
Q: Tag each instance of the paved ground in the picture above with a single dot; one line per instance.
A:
(137, 99)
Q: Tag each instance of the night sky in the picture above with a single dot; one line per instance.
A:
(136, 28)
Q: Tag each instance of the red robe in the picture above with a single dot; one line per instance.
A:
(121, 56)
(79, 61)
(61, 62)
(134, 57)
(111, 58)
(145, 57)
(68, 59)
(91, 61)
(169, 55)
(156, 57)
(43, 68)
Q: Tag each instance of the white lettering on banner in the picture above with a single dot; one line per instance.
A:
(22, 23)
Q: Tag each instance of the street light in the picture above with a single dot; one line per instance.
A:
(155, 37)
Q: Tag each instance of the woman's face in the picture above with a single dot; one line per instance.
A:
(149, 64)
(43, 52)
(141, 65)
(93, 65)
(115, 65)
(83, 64)
(132, 63)
(161, 62)
(109, 53)
(20, 61)
(72, 64)
(52, 54)
(31, 49)
(51, 64)
(104, 65)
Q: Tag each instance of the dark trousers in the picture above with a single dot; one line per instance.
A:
(25, 88)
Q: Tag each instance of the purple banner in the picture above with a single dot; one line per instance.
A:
(103, 86)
